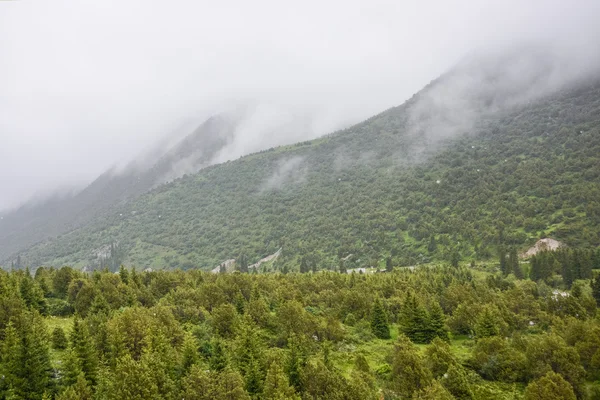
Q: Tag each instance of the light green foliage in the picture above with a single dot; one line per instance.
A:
(277, 385)
(290, 341)
(409, 373)
(549, 386)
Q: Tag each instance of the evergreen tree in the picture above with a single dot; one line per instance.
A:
(277, 385)
(303, 266)
(388, 264)
(243, 264)
(550, 386)
(79, 391)
(436, 326)
(294, 364)
(218, 358)
(432, 246)
(513, 261)
(230, 386)
(504, 267)
(342, 267)
(595, 283)
(83, 348)
(124, 274)
(199, 385)
(59, 339)
(70, 369)
(26, 358)
(487, 323)
(414, 320)
(379, 323)
(455, 258)
(409, 374)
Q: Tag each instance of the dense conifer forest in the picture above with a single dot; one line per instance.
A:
(431, 332)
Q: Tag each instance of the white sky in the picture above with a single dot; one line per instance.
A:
(88, 84)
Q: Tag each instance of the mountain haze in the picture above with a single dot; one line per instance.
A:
(488, 154)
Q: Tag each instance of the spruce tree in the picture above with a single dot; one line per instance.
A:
(277, 386)
(414, 320)
(502, 258)
(596, 289)
(83, 347)
(436, 324)
(487, 323)
(379, 323)
(218, 358)
(59, 339)
(79, 391)
(26, 358)
(388, 264)
(230, 385)
(513, 261)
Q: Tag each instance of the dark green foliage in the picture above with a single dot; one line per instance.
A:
(379, 322)
(218, 359)
(436, 324)
(83, 349)
(25, 359)
(414, 320)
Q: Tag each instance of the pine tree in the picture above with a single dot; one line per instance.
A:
(70, 369)
(502, 257)
(79, 391)
(436, 324)
(379, 323)
(218, 359)
(487, 323)
(26, 358)
(342, 267)
(230, 385)
(277, 386)
(388, 264)
(414, 320)
(513, 261)
(83, 347)
(596, 289)
(59, 339)
(303, 266)
(432, 246)
(253, 377)
(243, 264)
(199, 385)
(294, 364)
(239, 302)
(189, 355)
(124, 274)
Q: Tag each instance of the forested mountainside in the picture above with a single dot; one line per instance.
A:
(36, 222)
(424, 181)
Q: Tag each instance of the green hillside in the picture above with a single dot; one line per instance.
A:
(385, 187)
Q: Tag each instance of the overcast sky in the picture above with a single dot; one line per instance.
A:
(86, 84)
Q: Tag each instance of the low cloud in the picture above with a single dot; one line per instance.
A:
(288, 171)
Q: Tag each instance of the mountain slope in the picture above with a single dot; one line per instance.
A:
(55, 216)
(427, 180)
